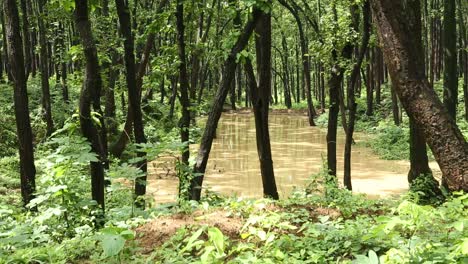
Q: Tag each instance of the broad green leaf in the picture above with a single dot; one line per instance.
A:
(112, 244)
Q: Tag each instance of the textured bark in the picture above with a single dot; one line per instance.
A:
(464, 57)
(450, 58)
(23, 125)
(46, 104)
(229, 68)
(119, 146)
(133, 92)
(305, 61)
(351, 92)
(419, 162)
(26, 42)
(399, 29)
(90, 97)
(333, 111)
(184, 122)
(261, 101)
(395, 108)
(336, 78)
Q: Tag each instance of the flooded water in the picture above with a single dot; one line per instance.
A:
(298, 152)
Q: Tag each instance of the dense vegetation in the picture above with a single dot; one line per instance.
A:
(92, 92)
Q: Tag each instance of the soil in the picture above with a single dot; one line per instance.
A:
(159, 230)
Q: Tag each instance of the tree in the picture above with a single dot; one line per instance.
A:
(229, 68)
(184, 122)
(44, 61)
(351, 89)
(23, 124)
(90, 98)
(450, 58)
(260, 95)
(399, 28)
(134, 94)
(305, 59)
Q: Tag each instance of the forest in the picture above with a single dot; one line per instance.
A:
(234, 131)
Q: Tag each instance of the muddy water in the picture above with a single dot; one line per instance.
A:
(298, 152)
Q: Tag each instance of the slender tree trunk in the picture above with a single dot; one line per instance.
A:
(395, 108)
(370, 87)
(260, 100)
(351, 92)
(229, 68)
(46, 104)
(399, 29)
(305, 62)
(419, 162)
(450, 58)
(134, 94)
(184, 122)
(26, 42)
(23, 125)
(90, 97)
(287, 88)
(464, 56)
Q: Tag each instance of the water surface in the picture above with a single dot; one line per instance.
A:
(298, 150)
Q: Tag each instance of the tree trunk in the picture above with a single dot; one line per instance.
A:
(399, 29)
(184, 122)
(351, 91)
(229, 69)
(133, 91)
(46, 105)
(23, 125)
(260, 100)
(26, 42)
(90, 97)
(450, 58)
(305, 62)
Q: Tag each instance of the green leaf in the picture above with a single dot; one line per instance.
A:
(112, 244)
(217, 237)
(373, 258)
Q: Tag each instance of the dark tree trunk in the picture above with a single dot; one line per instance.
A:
(229, 69)
(351, 91)
(26, 42)
(90, 97)
(395, 108)
(134, 94)
(184, 122)
(419, 162)
(399, 29)
(464, 56)
(287, 89)
(334, 83)
(46, 105)
(118, 148)
(260, 100)
(369, 87)
(305, 62)
(450, 58)
(23, 125)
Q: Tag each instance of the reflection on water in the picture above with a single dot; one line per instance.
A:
(298, 152)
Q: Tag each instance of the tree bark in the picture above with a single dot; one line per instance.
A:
(450, 58)
(26, 42)
(23, 124)
(351, 93)
(399, 29)
(305, 62)
(90, 97)
(229, 68)
(184, 122)
(261, 101)
(133, 92)
(44, 59)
